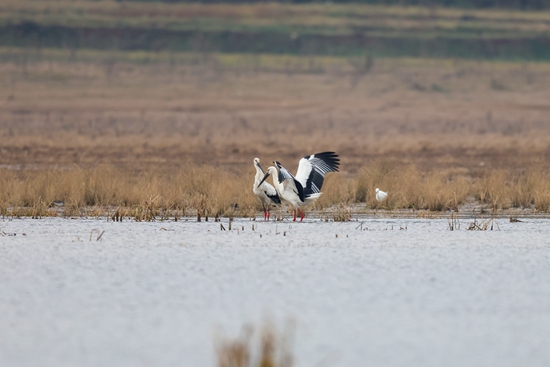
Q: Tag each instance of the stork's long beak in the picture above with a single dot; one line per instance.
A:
(263, 179)
(260, 166)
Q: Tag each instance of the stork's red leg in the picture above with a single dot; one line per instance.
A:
(294, 219)
(301, 215)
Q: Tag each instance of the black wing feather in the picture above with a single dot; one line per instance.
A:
(275, 198)
(323, 163)
(301, 191)
(283, 172)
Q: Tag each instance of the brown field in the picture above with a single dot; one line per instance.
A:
(142, 126)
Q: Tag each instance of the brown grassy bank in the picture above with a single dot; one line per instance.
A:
(145, 110)
(155, 133)
(214, 193)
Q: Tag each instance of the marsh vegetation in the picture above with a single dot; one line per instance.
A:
(151, 133)
(213, 193)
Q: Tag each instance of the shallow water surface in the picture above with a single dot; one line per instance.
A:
(396, 292)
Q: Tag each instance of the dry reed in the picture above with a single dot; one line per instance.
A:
(483, 225)
(268, 348)
(410, 188)
(144, 196)
(210, 192)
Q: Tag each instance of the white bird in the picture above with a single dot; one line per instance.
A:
(381, 195)
(305, 187)
(264, 191)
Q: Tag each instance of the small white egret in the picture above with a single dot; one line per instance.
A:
(381, 195)
(264, 191)
(305, 187)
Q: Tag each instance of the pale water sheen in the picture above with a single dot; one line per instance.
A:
(154, 294)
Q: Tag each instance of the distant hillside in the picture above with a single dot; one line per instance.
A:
(467, 4)
(301, 29)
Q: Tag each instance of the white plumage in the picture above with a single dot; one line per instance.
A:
(264, 191)
(305, 187)
(381, 195)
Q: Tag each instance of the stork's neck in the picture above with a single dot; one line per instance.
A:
(259, 175)
(278, 186)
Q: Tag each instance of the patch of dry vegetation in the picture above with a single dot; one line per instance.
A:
(106, 191)
(266, 347)
(213, 193)
(411, 188)
(149, 135)
(139, 110)
(501, 190)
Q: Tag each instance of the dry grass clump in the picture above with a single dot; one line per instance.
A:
(409, 188)
(337, 213)
(533, 188)
(268, 348)
(101, 186)
(495, 189)
(441, 191)
(483, 225)
(209, 192)
(403, 182)
(500, 189)
(337, 188)
(142, 196)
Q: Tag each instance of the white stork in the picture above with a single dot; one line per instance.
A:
(264, 191)
(305, 187)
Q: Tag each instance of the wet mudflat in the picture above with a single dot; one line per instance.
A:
(394, 292)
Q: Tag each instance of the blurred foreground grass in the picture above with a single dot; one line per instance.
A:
(266, 347)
